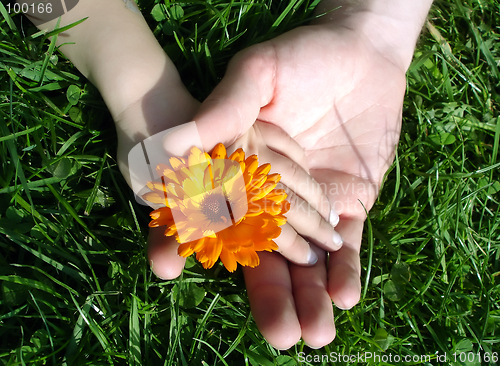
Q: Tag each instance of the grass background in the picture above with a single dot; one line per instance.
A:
(75, 283)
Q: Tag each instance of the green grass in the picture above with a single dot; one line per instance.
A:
(76, 286)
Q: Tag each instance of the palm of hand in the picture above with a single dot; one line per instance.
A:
(341, 100)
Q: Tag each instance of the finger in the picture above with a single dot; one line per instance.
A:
(294, 247)
(299, 181)
(344, 267)
(307, 222)
(234, 105)
(347, 192)
(271, 300)
(282, 143)
(162, 254)
(313, 303)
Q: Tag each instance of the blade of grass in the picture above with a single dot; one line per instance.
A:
(135, 333)
(77, 334)
(95, 189)
(71, 211)
(46, 326)
(8, 19)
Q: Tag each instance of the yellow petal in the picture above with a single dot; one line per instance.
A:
(170, 176)
(193, 188)
(160, 168)
(196, 156)
(177, 162)
(155, 198)
(209, 234)
(208, 180)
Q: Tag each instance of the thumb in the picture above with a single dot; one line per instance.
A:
(233, 106)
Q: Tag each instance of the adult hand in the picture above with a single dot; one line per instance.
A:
(340, 97)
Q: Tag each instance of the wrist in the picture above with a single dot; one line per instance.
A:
(392, 27)
(163, 107)
(114, 48)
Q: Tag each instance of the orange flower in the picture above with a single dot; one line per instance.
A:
(219, 206)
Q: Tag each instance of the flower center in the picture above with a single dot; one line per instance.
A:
(215, 207)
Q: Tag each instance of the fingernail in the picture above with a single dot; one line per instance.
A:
(311, 347)
(312, 258)
(334, 218)
(337, 239)
(341, 308)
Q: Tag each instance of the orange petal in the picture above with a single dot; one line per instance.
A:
(270, 207)
(162, 212)
(280, 219)
(172, 230)
(254, 209)
(277, 196)
(247, 257)
(219, 152)
(265, 245)
(261, 227)
(274, 178)
(244, 231)
(200, 243)
(185, 250)
(161, 222)
(285, 207)
(252, 163)
(238, 155)
(189, 234)
(209, 254)
(262, 192)
(228, 260)
(208, 179)
(263, 169)
(256, 182)
(231, 241)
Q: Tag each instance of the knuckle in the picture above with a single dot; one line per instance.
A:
(295, 171)
(318, 222)
(298, 241)
(293, 199)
